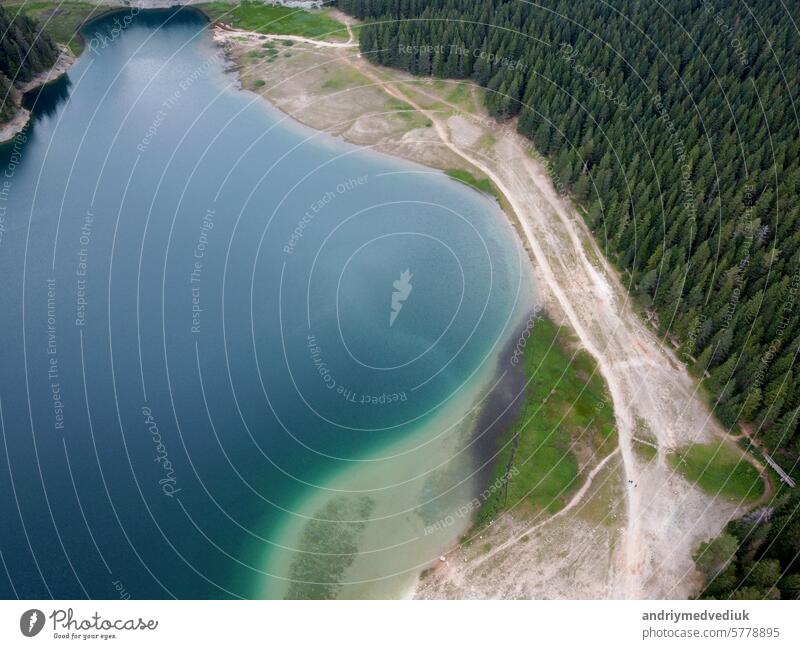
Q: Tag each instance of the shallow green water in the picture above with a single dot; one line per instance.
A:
(211, 341)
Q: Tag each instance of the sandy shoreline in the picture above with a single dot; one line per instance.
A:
(433, 477)
(644, 520)
(634, 527)
(15, 126)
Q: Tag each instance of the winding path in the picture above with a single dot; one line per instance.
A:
(666, 516)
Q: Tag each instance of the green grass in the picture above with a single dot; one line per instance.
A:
(274, 19)
(645, 451)
(410, 115)
(487, 141)
(481, 184)
(63, 20)
(720, 469)
(566, 408)
(459, 95)
(60, 20)
(400, 106)
(644, 443)
(341, 77)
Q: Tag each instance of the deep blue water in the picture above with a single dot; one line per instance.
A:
(179, 366)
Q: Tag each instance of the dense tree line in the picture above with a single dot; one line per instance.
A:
(675, 126)
(24, 52)
(757, 555)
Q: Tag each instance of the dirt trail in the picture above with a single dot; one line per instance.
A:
(666, 517)
(632, 529)
(574, 502)
(224, 32)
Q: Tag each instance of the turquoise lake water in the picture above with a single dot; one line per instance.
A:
(241, 358)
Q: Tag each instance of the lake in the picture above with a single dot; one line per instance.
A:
(241, 358)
